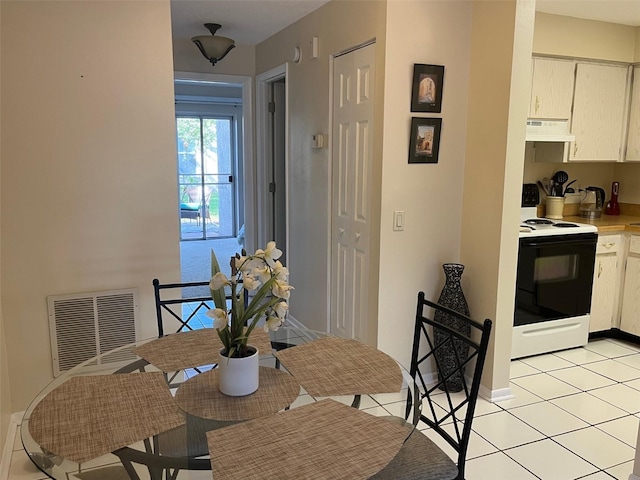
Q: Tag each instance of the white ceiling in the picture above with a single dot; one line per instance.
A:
(249, 22)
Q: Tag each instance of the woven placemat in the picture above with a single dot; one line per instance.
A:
(340, 366)
(200, 396)
(90, 416)
(321, 440)
(194, 348)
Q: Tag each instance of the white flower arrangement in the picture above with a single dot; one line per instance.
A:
(261, 273)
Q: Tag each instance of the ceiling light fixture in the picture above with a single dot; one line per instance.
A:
(214, 48)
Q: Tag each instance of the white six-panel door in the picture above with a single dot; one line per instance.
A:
(352, 131)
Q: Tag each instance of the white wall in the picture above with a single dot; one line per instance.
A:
(88, 173)
(338, 25)
(5, 390)
(580, 38)
(501, 41)
(431, 194)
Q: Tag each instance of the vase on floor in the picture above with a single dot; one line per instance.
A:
(238, 376)
(452, 297)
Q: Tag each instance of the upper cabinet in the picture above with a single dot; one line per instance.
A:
(633, 141)
(551, 88)
(594, 97)
(598, 112)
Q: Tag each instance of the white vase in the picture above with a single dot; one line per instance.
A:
(238, 376)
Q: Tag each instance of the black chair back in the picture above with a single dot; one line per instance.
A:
(169, 303)
(449, 413)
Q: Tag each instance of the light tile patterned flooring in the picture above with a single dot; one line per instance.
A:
(575, 415)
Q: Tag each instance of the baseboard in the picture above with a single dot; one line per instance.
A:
(617, 334)
(5, 463)
(496, 395)
(633, 477)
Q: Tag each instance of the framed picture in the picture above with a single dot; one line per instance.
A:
(426, 95)
(425, 140)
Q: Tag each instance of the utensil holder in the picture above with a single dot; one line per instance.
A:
(555, 207)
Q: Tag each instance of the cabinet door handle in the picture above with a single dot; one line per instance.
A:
(608, 244)
(599, 269)
(575, 149)
(537, 104)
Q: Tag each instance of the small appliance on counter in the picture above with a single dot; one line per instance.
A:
(612, 205)
(530, 195)
(593, 202)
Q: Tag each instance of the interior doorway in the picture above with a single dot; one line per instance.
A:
(272, 171)
(215, 149)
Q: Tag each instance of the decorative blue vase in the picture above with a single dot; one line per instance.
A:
(452, 297)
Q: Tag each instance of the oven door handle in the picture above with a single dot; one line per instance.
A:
(565, 242)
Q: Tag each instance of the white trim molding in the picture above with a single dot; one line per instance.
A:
(496, 395)
(7, 452)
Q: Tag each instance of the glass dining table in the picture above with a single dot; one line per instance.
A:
(152, 410)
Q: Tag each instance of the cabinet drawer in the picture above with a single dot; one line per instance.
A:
(609, 243)
(634, 244)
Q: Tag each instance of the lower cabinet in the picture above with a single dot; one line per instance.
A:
(606, 283)
(630, 313)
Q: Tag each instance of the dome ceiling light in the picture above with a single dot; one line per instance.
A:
(214, 47)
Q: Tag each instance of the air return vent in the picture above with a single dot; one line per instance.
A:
(88, 324)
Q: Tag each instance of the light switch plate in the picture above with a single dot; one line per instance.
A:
(398, 220)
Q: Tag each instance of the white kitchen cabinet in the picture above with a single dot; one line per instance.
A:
(606, 283)
(633, 140)
(630, 314)
(598, 112)
(551, 88)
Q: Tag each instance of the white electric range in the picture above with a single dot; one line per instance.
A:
(532, 226)
(553, 286)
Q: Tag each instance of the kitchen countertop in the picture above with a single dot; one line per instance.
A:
(610, 223)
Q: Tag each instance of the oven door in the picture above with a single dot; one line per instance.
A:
(555, 277)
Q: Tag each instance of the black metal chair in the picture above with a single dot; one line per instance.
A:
(170, 309)
(449, 414)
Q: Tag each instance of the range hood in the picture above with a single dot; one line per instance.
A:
(548, 131)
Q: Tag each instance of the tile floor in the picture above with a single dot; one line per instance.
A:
(575, 415)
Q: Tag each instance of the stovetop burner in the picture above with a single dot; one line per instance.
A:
(538, 221)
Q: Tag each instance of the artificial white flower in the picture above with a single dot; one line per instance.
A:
(281, 289)
(281, 309)
(280, 271)
(247, 264)
(263, 273)
(270, 254)
(240, 263)
(220, 318)
(272, 323)
(218, 281)
(250, 283)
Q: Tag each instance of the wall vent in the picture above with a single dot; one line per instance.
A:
(84, 325)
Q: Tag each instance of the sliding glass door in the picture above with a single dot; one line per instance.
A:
(206, 175)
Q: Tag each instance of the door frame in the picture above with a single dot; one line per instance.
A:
(248, 158)
(263, 219)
